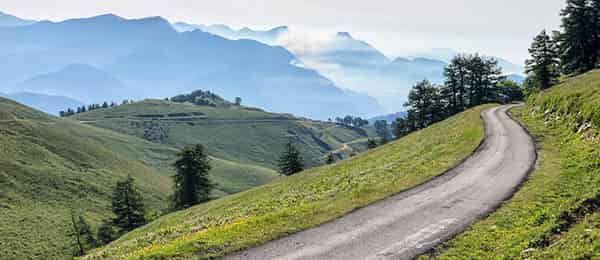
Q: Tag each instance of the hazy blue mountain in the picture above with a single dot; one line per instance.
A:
(111, 58)
(345, 51)
(78, 81)
(446, 54)
(390, 118)
(357, 65)
(47, 103)
(265, 36)
(413, 70)
(7, 20)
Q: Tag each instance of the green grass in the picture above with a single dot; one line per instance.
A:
(235, 134)
(49, 165)
(310, 198)
(548, 218)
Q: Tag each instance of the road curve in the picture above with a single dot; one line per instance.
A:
(410, 223)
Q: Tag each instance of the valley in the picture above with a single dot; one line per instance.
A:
(299, 130)
(305, 200)
(51, 165)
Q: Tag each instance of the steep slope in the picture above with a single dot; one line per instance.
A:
(304, 200)
(49, 165)
(46, 103)
(238, 134)
(151, 59)
(555, 215)
(7, 20)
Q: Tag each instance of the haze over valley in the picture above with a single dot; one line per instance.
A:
(299, 129)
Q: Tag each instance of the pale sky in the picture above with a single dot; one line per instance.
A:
(397, 27)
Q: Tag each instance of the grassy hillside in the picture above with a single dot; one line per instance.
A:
(556, 214)
(49, 165)
(305, 200)
(237, 134)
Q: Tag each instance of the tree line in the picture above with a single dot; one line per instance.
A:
(470, 80)
(572, 50)
(351, 121)
(91, 107)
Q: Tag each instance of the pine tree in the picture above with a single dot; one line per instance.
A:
(423, 101)
(543, 67)
(330, 159)
(290, 161)
(128, 206)
(578, 53)
(455, 86)
(371, 144)
(192, 185)
(106, 232)
(595, 10)
(81, 234)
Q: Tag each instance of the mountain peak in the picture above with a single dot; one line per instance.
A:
(344, 35)
(107, 17)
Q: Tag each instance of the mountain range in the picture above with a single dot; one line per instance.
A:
(112, 58)
(118, 58)
(265, 36)
(353, 63)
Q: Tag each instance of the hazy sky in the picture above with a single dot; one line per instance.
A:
(398, 27)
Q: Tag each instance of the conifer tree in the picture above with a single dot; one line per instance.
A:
(128, 206)
(423, 101)
(192, 185)
(543, 66)
(290, 161)
(371, 144)
(82, 235)
(106, 232)
(578, 53)
(595, 10)
(330, 159)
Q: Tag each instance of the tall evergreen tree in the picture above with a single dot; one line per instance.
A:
(578, 52)
(106, 232)
(403, 126)
(424, 102)
(455, 86)
(371, 144)
(330, 159)
(543, 66)
(82, 235)
(192, 185)
(595, 10)
(128, 206)
(290, 161)
(382, 130)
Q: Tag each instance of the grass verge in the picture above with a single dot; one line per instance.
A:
(308, 199)
(555, 214)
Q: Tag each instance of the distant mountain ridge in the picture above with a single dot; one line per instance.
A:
(148, 58)
(355, 64)
(265, 36)
(7, 20)
(46, 103)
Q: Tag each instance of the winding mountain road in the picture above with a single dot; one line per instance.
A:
(410, 223)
